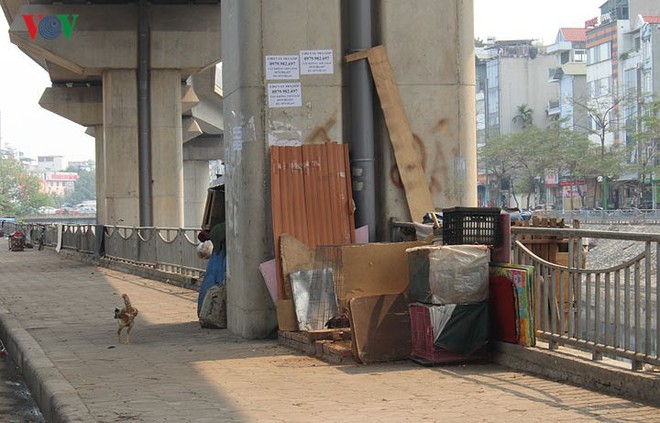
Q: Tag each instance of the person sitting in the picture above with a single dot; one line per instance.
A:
(215, 269)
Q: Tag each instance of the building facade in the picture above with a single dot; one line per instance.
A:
(51, 163)
(570, 75)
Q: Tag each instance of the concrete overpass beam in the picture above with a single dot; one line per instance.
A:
(105, 36)
(82, 105)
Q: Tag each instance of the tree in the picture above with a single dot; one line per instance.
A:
(85, 188)
(495, 159)
(19, 190)
(524, 116)
(647, 144)
(602, 117)
(523, 158)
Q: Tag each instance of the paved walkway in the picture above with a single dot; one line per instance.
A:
(60, 314)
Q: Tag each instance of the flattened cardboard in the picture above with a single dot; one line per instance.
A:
(380, 326)
(374, 269)
(286, 315)
(295, 256)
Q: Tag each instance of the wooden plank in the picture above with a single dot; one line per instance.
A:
(418, 193)
(357, 56)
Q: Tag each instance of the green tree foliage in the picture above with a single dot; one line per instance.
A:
(85, 188)
(646, 148)
(19, 190)
(523, 158)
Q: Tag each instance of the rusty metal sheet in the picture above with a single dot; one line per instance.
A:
(310, 190)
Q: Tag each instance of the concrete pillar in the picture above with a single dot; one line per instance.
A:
(250, 313)
(196, 156)
(431, 49)
(195, 184)
(251, 30)
(120, 135)
(101, 208)
(166, 148)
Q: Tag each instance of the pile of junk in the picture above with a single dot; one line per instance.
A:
(444, 298)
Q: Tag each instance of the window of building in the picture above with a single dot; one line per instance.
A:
(599, 53)
(600, 87)
(580, 56)
(646, 49)
(648, 82)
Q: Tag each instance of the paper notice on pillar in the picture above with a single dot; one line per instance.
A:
(237, 138)
(316, 62)
(282, 67)
(285, 138)
(285, 95)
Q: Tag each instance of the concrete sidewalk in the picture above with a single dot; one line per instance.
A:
(56, 318)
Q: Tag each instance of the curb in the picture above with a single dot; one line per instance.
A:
(580, 371)
(57, 399)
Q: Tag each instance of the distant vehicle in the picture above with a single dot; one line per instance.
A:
(86, 203)
(46, 210)
(67, 210)
(87, 210)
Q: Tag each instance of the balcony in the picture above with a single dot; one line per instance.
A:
(553, 108)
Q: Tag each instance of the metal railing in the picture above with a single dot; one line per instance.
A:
(613, 311)
(171, 250)
(621, 216)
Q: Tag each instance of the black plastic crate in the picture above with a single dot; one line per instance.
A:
(470, 225)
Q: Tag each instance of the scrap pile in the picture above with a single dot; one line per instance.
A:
(400, 299)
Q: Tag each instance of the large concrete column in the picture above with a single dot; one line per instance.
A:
(196, 183)
(250, 313)
(431, 49)
(196, 156)
(251, 30)
(166, 148)
(101, 208)
(120, 133)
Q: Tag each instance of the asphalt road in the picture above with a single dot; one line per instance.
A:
(16, 402)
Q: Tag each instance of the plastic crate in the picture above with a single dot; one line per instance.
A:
(423, 348)
(470, 225)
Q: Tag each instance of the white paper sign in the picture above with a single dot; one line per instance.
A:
(316, 62)
(237, 137)
(282, 67)
(285, 95)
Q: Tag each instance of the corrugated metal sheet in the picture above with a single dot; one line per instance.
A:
(311, 197)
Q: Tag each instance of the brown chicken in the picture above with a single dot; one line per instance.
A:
(125, 318)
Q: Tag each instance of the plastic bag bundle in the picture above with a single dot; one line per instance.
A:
(204, 250)
(458, 274)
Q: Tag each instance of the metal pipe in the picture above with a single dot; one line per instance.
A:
(362, 117)
(144, 117)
